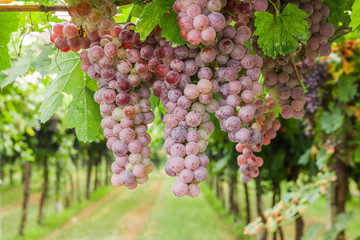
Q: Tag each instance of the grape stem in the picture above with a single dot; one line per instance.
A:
(276, 9)
(295, 67)
(278, 4)
(340, 31)
(57, 53)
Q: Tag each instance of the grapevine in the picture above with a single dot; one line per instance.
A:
(213, 73)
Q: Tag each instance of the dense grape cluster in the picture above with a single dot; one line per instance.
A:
(186, 92)
(284, 86)
(320, 30)
(124, 81)
(315, 77)
(243, 11)
(188, 79)
(282, 77)
(267, 127)
(202, 21)
(67, 36)
(93, 15)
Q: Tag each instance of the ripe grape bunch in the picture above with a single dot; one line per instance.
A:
(315, 77)
(320, 30)
(188, 125)
(67, 36)
(281, 76)
(93, 15)
(188, 79)
(201, 21)
(124, 82)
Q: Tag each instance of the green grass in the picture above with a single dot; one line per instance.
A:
(184, 218)
(11, 207)
(53, 220)
(150, 212)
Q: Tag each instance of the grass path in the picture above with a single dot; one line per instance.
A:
(147, 213)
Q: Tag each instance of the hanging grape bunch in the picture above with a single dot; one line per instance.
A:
(188, 79)
(93, 15)
(315, 77)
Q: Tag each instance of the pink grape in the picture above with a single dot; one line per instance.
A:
(186, 176)
(193, 191)
(179, 189)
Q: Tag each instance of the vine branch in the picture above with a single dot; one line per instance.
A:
(43, 8)
(340, 31)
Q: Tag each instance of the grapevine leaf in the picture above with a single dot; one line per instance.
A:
(347, 88)
(7, 27)
(136, 10)
(337, 11)
(322, 158)
(48, 2)
(18, 69)
(331, 121)
(281, 33)
(341, 223)
(312, 231)
(69, 80)
(355, 15)
(154, 101)
(151, 16)
(91, 83)
(84, 115)
(305, 158)
(170, 28)
(42, 62)
(125, 12)
(271, 224)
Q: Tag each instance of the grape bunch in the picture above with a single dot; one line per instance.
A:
(265, 124)
(284, 87)
(242, 12)
(93, 15)
(199, 20)
(202, 21)
(186, 92)
(315, 77)
(188, 79)
(124, 81)
(67, 36)
(320, 30)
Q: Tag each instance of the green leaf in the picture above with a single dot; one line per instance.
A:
(151, 16)
(341, 223)
(136, 10)
(331, 121)
(220, 164)
(338, 9)
(271, 224)
(312, 231)
(281, 33)
(154, 101)
(347, 88)
(19, 68)
(42, 62)
(84, 115)
(305, 158)
(7, 27)
(322, 158)
(125, 12)
(91, 83)
(170, 28)
(70, 79)
(355, 15)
